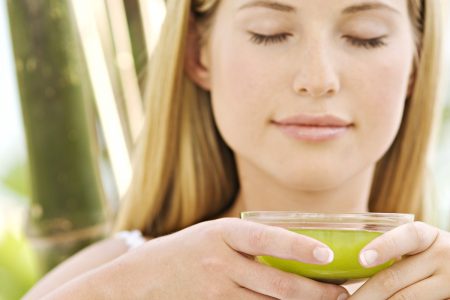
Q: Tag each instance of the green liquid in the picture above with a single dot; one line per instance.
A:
(346, 245)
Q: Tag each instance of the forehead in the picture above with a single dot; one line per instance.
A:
(345, 7)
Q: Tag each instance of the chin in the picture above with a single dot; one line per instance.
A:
(314, 180)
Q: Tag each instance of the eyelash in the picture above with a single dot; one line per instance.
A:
(367, 43)
(266, 40)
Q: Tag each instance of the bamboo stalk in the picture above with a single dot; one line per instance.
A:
(56, 101)
(127, 72)
(136, 28)
(153, 14)
(110, 118)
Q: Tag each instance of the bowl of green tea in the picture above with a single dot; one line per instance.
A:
(345, 234)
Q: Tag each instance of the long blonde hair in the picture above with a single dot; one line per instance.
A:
(400, 181)
(185, 173)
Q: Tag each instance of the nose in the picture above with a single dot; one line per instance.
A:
(316, 76)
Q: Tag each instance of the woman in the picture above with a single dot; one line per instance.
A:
(316, 106)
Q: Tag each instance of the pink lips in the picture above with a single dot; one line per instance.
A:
(313, 127)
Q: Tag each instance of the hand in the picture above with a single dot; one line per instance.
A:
(214, 260)
(424, 273)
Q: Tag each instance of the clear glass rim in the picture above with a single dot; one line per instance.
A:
(335, 220)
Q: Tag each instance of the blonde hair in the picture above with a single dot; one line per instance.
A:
(400, 180)
(185, 173)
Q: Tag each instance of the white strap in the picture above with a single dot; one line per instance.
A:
(133, 239)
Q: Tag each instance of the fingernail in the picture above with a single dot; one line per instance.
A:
(368, 257)
(323, 254)
(343, 296)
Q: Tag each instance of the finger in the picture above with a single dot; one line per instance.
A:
(410, 238)
(259, 239)
(248, 294)
(434, 288)
(281, 285)
(234, 291)
(395, 278)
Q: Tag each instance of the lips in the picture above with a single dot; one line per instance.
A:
(312, 120)
(313, 127)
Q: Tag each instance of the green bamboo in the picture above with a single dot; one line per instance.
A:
(68, 210)
(135, 26)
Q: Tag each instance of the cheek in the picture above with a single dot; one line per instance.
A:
(383, 95)
(242, 92)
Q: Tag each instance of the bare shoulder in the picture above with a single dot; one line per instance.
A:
(86, 260)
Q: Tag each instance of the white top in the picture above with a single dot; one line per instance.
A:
(132, 239)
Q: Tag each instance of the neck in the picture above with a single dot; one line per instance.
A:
(263, 193)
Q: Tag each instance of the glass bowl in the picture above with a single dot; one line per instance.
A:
(345, 234)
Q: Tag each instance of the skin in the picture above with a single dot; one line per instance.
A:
(321, 67)
(317, 69)
(423, 273)
(215, 263)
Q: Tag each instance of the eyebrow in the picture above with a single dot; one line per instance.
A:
(368, 6)
(290, 9)
(271, 5)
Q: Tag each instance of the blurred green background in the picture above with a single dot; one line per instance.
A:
(19, 267)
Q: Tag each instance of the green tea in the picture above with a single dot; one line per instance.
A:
(346, 245)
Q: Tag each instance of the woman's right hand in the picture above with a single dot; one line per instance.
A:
(215, 260)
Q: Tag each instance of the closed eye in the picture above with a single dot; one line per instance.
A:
(265, 40)
(261, 39)
(366, 43)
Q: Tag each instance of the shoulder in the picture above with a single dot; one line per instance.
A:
(86, 260)
(104, 250)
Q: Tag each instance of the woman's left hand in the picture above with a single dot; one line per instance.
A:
(424, 271)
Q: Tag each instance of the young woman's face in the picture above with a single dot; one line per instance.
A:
(311, 92)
